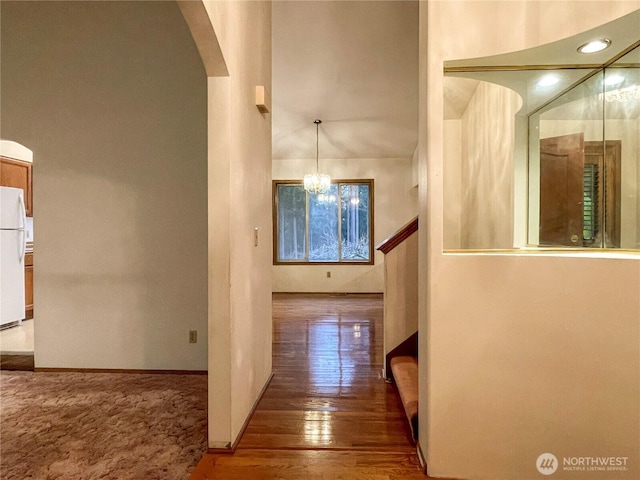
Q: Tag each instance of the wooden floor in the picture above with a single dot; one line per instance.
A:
(16, 362)
(327, 413)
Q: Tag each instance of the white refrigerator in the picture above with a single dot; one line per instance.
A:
(12, 251)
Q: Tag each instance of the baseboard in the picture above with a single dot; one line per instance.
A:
(421, 458)
(228, 450)
(231, 448)
(118, 370)
(423, 465)
(331, 294)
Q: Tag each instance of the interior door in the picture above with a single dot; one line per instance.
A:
(561, 190)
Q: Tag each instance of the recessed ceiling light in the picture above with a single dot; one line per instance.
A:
(613, 80)
(594, 46)
(548, 80)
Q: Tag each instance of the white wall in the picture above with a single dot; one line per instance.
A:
(527, 365)
(516, 359)
(487, 152)
(400, 294)
(479, 164)
(452, 178)
(395, 203)
(111, 98)
(239, 201)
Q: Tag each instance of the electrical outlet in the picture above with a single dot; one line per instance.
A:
(328, 274)
(193, 336)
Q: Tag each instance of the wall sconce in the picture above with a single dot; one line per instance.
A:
(263, 99)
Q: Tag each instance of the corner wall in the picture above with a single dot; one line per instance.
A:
(519, 354)
(111, 98)
(239, 202)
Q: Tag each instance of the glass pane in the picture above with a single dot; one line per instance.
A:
(355, 221)
(291, 222)
(323, 226)
(481, 128)
(621, 172)
(566, 189)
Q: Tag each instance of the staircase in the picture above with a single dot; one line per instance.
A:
(401, 317)
(405, 375)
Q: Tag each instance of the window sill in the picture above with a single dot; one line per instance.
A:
(310, 264)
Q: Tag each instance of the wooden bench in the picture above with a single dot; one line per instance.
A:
(405, 374)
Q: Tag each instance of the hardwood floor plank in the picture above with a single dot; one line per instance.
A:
(16, 362)
(327, 413)
(320, 464)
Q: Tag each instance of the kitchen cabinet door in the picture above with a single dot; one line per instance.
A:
(17, 174)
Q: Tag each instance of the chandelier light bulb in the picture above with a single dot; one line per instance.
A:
(622, 94)
(317, 182)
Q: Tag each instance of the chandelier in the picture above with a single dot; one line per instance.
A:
(317, 182)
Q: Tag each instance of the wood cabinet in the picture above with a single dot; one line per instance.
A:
(18, 174)
(28, 284)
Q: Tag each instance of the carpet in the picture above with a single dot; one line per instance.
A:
(86, 426)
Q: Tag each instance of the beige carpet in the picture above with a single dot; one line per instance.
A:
(82, 426)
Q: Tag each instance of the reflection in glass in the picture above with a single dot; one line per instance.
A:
(542, 156)
(584, 162)
(566, 169)
(622, 135)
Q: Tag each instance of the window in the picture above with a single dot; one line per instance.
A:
(334, 227)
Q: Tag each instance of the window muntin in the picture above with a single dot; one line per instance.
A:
(334, 227)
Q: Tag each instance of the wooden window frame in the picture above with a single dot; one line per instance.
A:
(371, 261)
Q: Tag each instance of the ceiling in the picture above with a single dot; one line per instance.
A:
(622, 32)
(353, 65)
